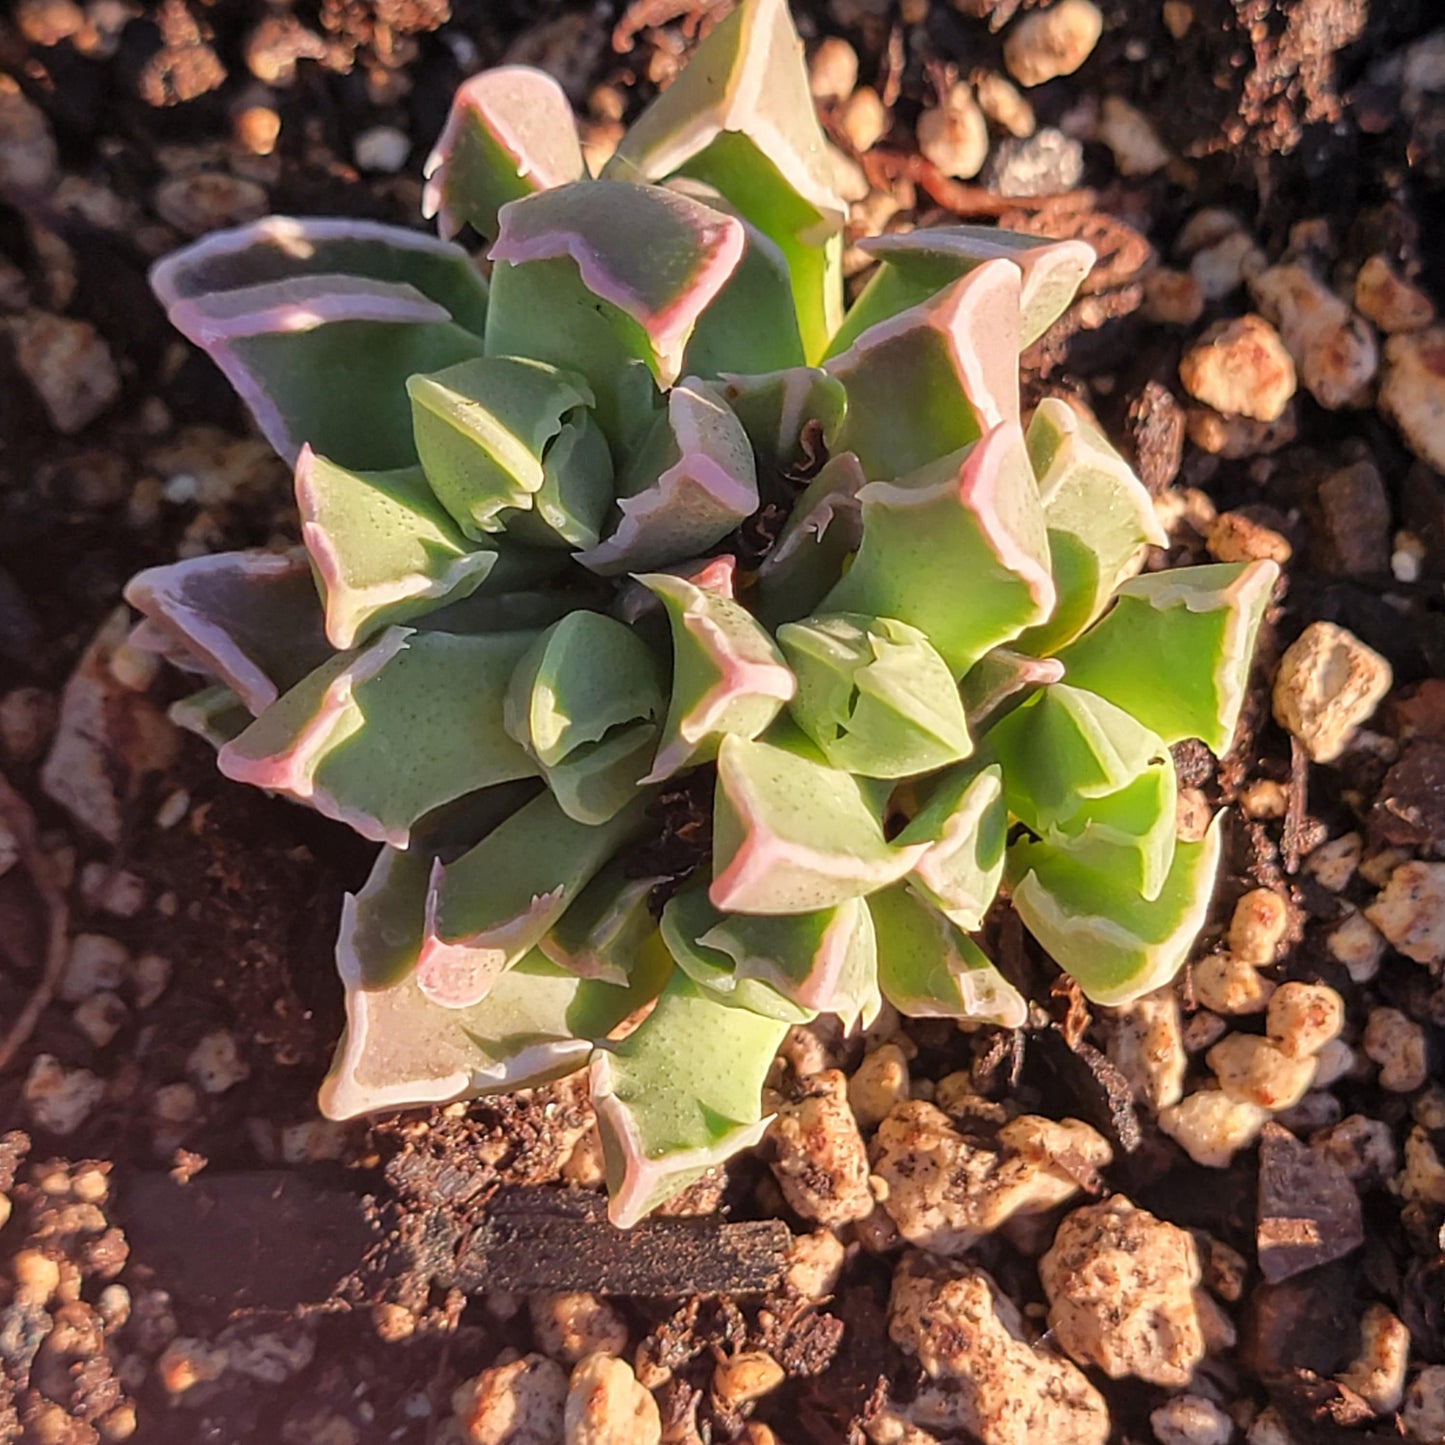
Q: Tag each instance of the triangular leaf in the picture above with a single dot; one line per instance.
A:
(929, 968)
(874, 695)
(728, 677)
(1116, 944)
(965, 824)
(509, 132)
(679, 1095)
(247, 618)
(379, 737)
(957, 550)
(792, 834)
(382, 547)
(1175, 649)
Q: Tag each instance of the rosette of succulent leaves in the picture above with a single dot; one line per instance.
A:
(702, 656)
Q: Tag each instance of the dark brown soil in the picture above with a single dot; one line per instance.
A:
(1286, 110)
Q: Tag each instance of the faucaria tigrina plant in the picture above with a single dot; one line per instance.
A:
(697, 653)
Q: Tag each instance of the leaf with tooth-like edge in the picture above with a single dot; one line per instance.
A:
(687, 916)
(688, 485)
(382, 547)
(965, 824)
(933, 378)
(811, 554)
(483, 429)
(789, 967)
(400, 1048)
(1065, 748)
(603, 932)
(249, 619)
(583, 334)
(584, 676)
(278, 248)
(324, 360)
(570, 507)
(1000, 681)
(727, 336)
(584, 703)
(874, 695)
(740, 117)
(929, 968)
(957, 549)
(1175, 648)
(1101, 520)
(486, 909)
(728, 677)
(215, 714)
(1129, 835)
(680, 1094)
(1116, 944)
(656, 260)
(509, 132)
(914, 265)
(792, 834)
(784, 412)
(378, 737)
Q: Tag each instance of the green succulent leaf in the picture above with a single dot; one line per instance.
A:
(401, 1048)
(215, 715)
(728, 677)
(786, 411)
(727, 336)
(285, 248)
(1175, 649)
(740, 118)
(1115, 943)
(1000, 681)
(914, 265)
(378, 737)
(964, 822)
(1100, 519)
(688, 485)
(1129, 835)
(815, 546)
(383, 549)
(1065, 748)
(929, 968)
(485, 431)
(792, 834)
(874, 695)
(510, 132)
(791, 967)
(246, 618)
(323, 360)
(933, 378)
(604, 931)
(957, 550)
(490, 907)
(655, 259)
(584, 702)
(679, 1095)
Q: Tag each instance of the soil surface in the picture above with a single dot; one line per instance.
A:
(188, 1252)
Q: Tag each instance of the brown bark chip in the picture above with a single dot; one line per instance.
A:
(1309, 1213)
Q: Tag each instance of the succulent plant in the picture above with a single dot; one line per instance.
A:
(702, 656)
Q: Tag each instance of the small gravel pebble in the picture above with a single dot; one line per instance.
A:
(1240, 368)
(607, 1406)
(1044, 44)
(382, 149)
(1131, 135)
(1410, 911)
(1397, 1044)
(520, 1403)
(953, 135)
(1328, 684)
(1387, 299)
(1002, 104)
(1191, 1420)
(1412, 391)
(1121, 1286)
(1046, 163)
(1334, 351)
(1211, 1127)
(60, 1100)
(69, 365)
(832, 70)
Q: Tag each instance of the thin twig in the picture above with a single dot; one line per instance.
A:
(21, 822)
